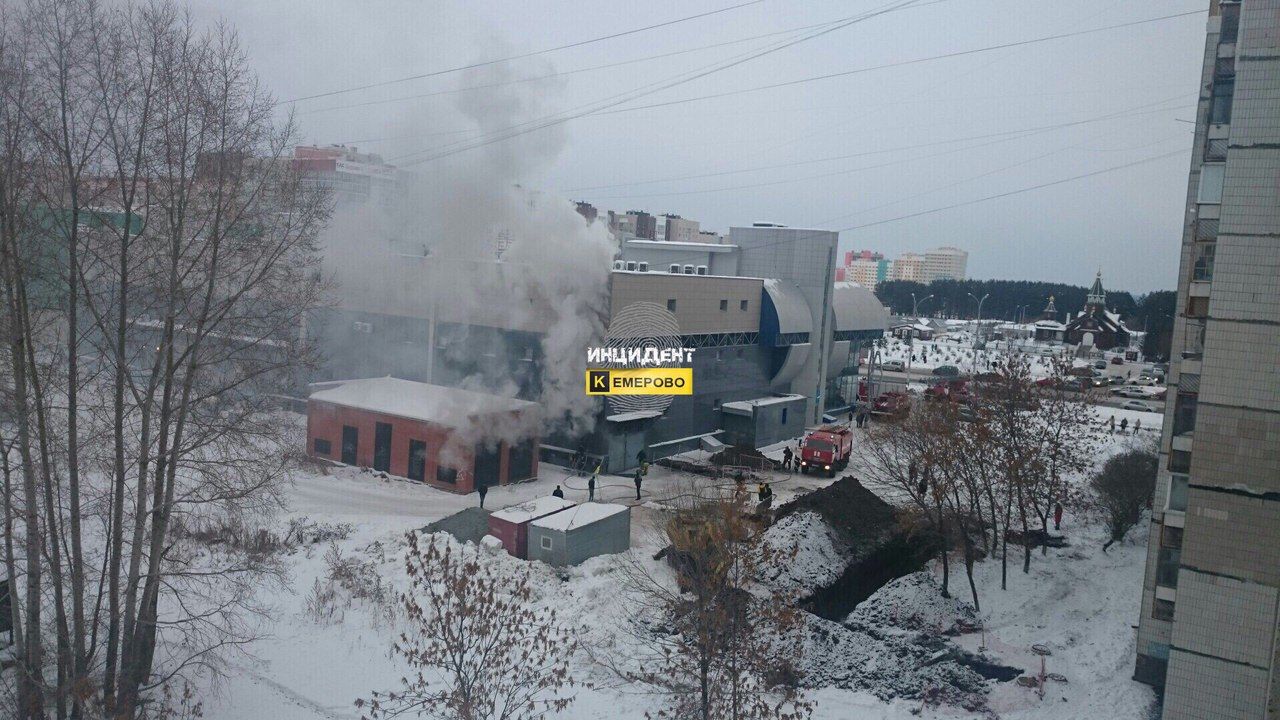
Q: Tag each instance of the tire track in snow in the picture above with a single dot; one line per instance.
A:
(295, 697)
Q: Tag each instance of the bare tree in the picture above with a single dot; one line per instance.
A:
(717, 645)
(478, 649)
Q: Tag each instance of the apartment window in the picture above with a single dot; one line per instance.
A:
(671, 304)
(1207, 230)
(1203, 268)
(724, 305)
(1159, 651)
(1162, 610)
(1197, 307)
(742, 305)
(1178, 491)
(1180, 461)
(1220, 101)
(1167, 561)
(1184, 414)
(1215, 150)
(1171, 537)
(1193, 340)
(1211, 177)
(1230, 28)
(322, 447)
(1224, 69)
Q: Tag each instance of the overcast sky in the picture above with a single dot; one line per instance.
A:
(1126, 221)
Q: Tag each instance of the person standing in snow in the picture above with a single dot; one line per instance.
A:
(558, 493)
(642, 458)
(591, 489)
(483, 490)
(1137, 425)
(786, 458)
(639, 479)
(1057, 516)
(1124, 426)
(1112, 423)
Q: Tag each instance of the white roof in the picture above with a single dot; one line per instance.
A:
(792, 308)
(857, 308)
(744, 407)
(634, 415)
(584, 514)
(533, 509)
(415, 400)
(681, 245)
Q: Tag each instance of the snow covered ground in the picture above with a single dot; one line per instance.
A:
(956, 349)
(1077, 601)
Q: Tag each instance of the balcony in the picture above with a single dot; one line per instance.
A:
(1202, 267)
(1177, 492)
(1193, 339)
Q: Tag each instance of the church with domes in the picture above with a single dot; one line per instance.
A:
(1095, 326)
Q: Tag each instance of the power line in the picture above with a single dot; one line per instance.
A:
(484, 63)
(562, 73)
(1002, 134)
(901, 63)
(620, 98)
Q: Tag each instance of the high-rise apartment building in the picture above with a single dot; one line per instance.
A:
(351, 176)
(679, 229)
(944, 263)
(908, 266)
(1209, 631)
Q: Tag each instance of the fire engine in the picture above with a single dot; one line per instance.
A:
(826, 449)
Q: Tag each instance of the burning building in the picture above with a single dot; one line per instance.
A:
(447, 437)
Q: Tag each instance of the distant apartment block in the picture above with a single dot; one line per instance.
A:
(679, 229)
(909, 267)
(1210, 620)
(945, 263)
(353, 177)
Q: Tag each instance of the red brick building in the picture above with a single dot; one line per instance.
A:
(446, 437)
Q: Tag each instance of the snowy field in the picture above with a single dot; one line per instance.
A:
(956, 349)
(1078, 602)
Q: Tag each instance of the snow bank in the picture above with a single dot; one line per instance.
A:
(914, 602)
(820, 557)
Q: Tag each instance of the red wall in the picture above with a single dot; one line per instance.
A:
(325, 421)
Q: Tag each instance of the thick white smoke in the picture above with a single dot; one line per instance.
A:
(461, 212)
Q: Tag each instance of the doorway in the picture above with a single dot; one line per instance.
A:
(488, 463)
(417, 460)
(382, 447)
(350, 443)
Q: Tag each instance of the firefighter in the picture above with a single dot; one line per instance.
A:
(642, 458)
(483, 490)
(591, 489)
(786, 458)
(558, 492)
(639, 479)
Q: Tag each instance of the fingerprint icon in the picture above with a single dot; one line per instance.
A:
(642, 325)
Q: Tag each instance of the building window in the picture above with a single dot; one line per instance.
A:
(417, 460)
(1220, 101)
(1202, 270)
(1184, 414)
(1167, 562)
(1215, 150)
(671, 304)
(784, 416)
(1178, 491)
(546, 543)
(1159, 651)
(1207, 230)
(323, 447)
(1229, 30)
(1211, 177)
(724, 305)
(1198, 307)
(1180, 461)
(446, 475)
(1171, 537)
(1162, 610)
(742, 305)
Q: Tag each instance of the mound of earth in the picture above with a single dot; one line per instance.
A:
(889, 665)
(743, 455)
(914, 602)
(809, 554)
(860, 519)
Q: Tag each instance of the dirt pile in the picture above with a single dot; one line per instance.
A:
(739, 455)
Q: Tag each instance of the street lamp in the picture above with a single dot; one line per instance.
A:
(977, 326)
(915, 305)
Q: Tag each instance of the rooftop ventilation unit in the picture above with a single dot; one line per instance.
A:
(618, 265)
(643, 267)
(702, 269)
(631, 265)
(675, 268)
(688, 269)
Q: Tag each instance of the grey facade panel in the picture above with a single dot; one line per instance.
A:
(607, 536)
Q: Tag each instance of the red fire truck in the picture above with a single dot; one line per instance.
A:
(826, 449)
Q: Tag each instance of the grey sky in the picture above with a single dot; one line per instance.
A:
(1127, 221)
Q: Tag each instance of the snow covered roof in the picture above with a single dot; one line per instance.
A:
(579, 516)
(415, 400)
(1050, 324)
(634, 415)
(533, 509)
(745, 407)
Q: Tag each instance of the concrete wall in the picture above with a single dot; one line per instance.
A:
(697, 299)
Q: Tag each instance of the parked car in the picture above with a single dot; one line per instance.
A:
(1100, 382)
(893, 365)
(946, 371)
(1138, 405)
(1116, 380)
(1130, 391)
(1100, 364)
(1117, 360)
